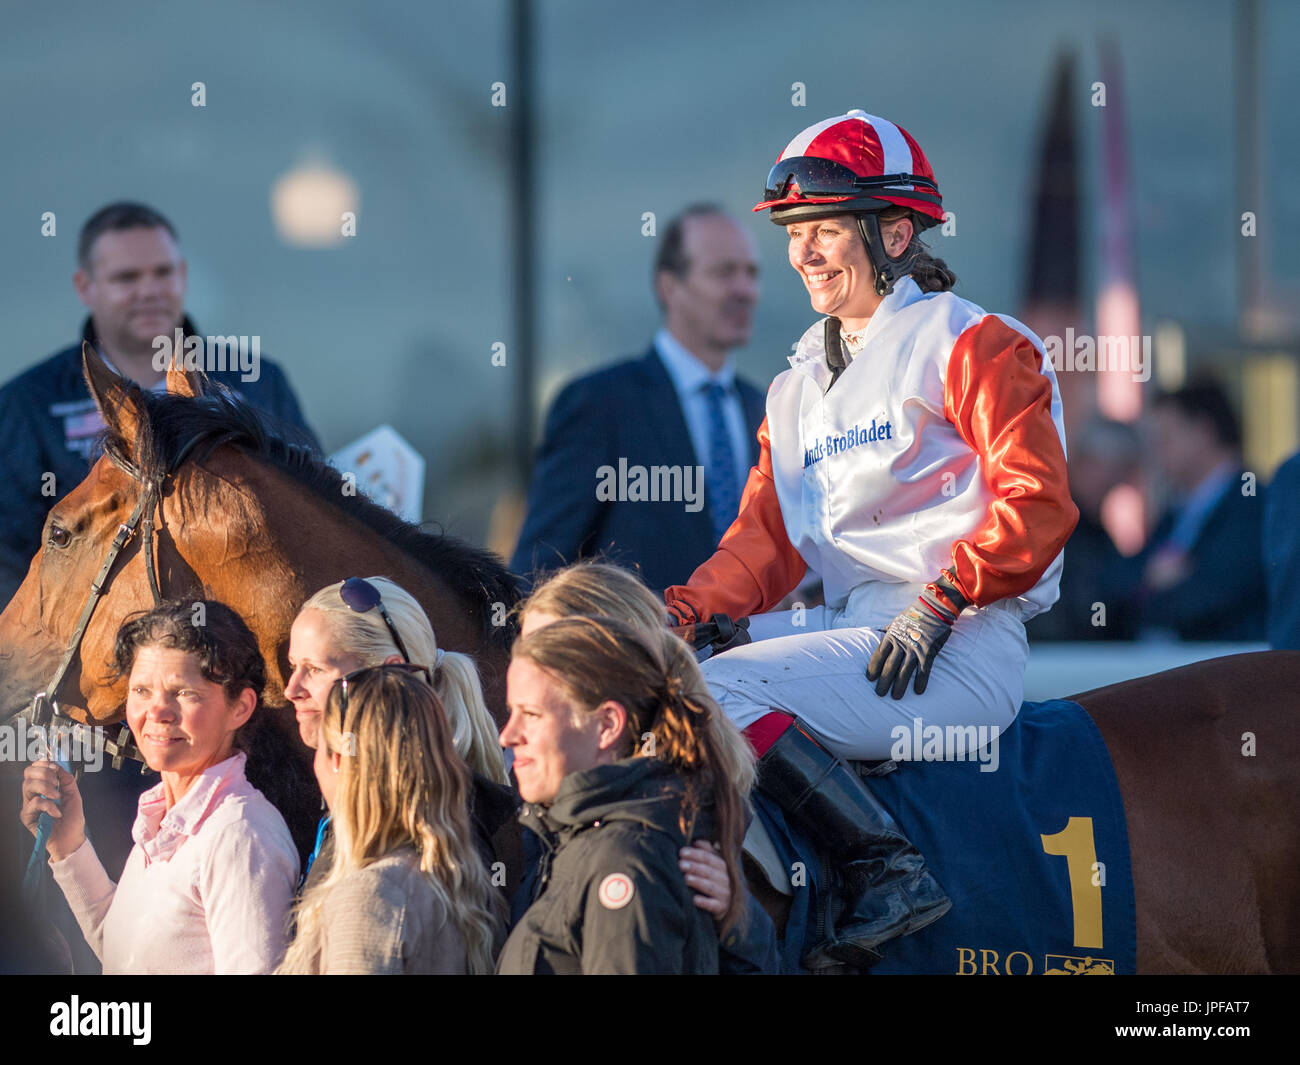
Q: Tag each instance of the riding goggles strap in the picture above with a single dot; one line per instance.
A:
(825, 177)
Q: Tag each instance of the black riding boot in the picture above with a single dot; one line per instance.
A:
(887, 891)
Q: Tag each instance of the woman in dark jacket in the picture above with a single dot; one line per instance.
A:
(619, 762)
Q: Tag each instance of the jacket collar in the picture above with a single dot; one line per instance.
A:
(686, 372)
(647, 791)
(88, 330)
(90, 337)
(662, 418)
(160, 831)
(809, 357)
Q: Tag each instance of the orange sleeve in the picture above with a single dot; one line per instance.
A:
(1000, 401)
(755, 565)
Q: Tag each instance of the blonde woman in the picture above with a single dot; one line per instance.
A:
(405, 891)
(599, 589)
(370, 621)
(365, 621)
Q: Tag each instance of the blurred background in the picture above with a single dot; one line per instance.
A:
(501, 158)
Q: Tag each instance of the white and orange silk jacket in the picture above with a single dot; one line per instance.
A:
(940, 447)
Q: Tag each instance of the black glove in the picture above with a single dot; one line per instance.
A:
(729, 633)
(914, 639)
(719, 633)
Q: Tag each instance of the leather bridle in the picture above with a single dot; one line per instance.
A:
(45, 710)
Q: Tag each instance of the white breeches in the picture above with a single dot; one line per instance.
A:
(812, 664)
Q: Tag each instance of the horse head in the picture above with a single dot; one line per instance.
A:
(38, 626)
(224, 507)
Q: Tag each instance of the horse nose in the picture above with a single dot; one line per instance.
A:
(24, 670)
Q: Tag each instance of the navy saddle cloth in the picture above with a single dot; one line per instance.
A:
(1034, 854)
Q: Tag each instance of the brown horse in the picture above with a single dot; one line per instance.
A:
(1208, 762)
(1214, 833)
(244, 518)
(1207, 757)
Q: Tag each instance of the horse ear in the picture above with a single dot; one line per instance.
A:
(120, 402)
(181, 382)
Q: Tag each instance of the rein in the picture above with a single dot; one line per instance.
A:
(44, 707)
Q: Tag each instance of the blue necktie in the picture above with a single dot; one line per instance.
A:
(724, 493)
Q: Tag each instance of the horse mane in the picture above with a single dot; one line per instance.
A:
(170, 423)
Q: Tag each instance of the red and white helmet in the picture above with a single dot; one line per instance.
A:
(857, 162)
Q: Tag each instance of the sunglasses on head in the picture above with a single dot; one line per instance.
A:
(361, 596)
(343, 682)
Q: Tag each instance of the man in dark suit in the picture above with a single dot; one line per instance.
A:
(644, 461)
(1202, 570)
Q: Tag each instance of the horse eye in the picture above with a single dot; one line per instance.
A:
(59, 536)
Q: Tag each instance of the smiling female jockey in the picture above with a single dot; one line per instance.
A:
(913, 456)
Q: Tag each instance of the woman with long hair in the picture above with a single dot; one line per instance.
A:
(371, 621)
(602, 589)
(405, 891)
(617, 754)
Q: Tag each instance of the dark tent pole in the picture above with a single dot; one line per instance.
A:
(523, 214)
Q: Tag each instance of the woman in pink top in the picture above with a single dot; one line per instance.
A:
(208, 886)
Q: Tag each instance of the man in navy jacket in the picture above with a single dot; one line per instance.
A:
(644, 461)
(132, 278)
(1202, 572)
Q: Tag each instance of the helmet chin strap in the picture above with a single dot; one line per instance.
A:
(887, 270)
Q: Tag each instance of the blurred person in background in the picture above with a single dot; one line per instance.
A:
(1282, 556)
(1104, 455)
(1202, 572)
(131, 276)
(680, 405)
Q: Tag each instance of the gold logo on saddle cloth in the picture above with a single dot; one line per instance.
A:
(1065, 965)
(975, 961)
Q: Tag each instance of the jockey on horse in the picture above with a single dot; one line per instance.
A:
(913, 456)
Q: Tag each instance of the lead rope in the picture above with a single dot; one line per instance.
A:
(44, 826)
